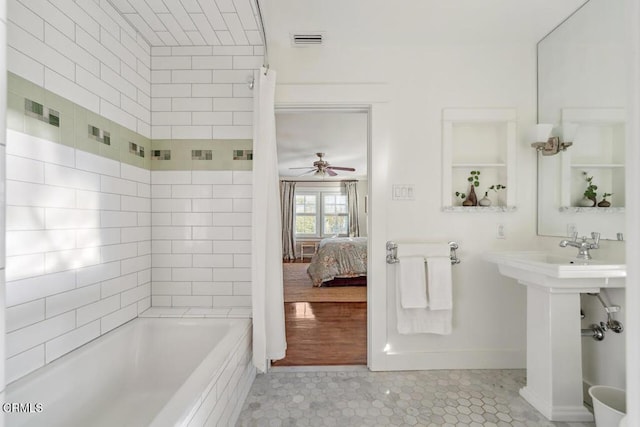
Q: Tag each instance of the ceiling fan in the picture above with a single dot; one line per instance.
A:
(321, 167)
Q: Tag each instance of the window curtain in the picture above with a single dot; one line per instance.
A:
(288, 195)
(267, 293)
(351, 188)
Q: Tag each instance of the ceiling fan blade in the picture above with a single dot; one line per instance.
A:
(330, 172)
(340, 168)
(304, 167)
(306, 172)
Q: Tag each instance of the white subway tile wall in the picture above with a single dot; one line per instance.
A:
(202, 92)
(86, 52)
(201, 230)
(93, 242)
(78, 249)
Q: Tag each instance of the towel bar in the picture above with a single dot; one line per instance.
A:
(392, 253)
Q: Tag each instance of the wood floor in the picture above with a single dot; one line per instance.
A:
(325, 331)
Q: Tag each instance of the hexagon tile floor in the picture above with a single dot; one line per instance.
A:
(410, 398)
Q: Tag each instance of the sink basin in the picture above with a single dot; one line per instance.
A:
(554, 349)
(559, 271)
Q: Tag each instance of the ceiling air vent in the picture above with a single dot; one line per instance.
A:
(308, 39)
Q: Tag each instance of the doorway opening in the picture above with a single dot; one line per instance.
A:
(323, 167)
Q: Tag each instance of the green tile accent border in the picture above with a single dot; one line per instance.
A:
(76, 127)
(42, 113)
(160, 154)
(242, 154)
(100, 135)
(80, 128)
(136, 149)
(201, 154)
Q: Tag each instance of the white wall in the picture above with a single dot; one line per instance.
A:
(3, 142)
(201, 227)
(202, 92)
(85, 52)
(489, 310)
(78, 249)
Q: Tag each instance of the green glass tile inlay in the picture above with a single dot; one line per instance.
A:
(161, 154)
(100, 135)
(136, 150)
(201, 155)
(42, 113)
(242, 154)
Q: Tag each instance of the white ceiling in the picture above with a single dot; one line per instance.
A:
(414, 22)
(193, 22)
(342, 136)
(359, 23)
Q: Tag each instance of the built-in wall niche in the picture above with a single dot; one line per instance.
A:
(598, 151)
(479, 140)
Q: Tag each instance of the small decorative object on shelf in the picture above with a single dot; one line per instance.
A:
(485, 201)
(590, 192)
(472, 199)
(604, 203)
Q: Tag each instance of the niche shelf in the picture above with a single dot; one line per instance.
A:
(599, 150)
(481, 139)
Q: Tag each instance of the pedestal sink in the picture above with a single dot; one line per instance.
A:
(554, 350)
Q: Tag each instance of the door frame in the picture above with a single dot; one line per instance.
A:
(372, 98)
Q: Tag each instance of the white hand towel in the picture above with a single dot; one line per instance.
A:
(439, 283)
(413, 282)
(422, 320)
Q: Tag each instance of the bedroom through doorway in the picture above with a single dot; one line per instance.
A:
(323, 159)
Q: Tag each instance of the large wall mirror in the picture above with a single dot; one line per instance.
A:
(582, 93)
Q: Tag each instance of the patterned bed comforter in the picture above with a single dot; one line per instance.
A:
(338, 257)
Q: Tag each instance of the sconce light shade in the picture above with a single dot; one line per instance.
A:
(569, 131)
(541, 132)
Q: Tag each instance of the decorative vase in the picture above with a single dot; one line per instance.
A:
(586, 202)
(604, 203)
(472, 199)
(485, 201)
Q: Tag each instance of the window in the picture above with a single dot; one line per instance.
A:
(321, 214)
(306, 213)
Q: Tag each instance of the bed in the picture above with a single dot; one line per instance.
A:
(339, 261)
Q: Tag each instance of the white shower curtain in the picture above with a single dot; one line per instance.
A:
(269, 342)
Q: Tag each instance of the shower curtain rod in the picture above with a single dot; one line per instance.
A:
(265, 63)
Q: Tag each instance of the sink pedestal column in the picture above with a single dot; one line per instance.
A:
(554, 354)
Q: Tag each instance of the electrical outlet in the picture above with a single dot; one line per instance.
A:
(500, 232)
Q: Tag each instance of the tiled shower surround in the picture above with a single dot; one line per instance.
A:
(201, 227)
(78, 248)
(95, 236)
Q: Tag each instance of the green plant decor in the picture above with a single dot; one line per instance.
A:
(495, 187)
(474, 178)
(590, 193)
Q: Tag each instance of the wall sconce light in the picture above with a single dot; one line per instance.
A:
(552, 144)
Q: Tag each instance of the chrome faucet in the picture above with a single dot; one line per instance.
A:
(582, 245)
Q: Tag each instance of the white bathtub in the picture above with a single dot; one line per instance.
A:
(149, 372)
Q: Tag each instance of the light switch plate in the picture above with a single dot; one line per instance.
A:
(403, 192)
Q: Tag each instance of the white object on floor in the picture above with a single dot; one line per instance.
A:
(609, 405)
